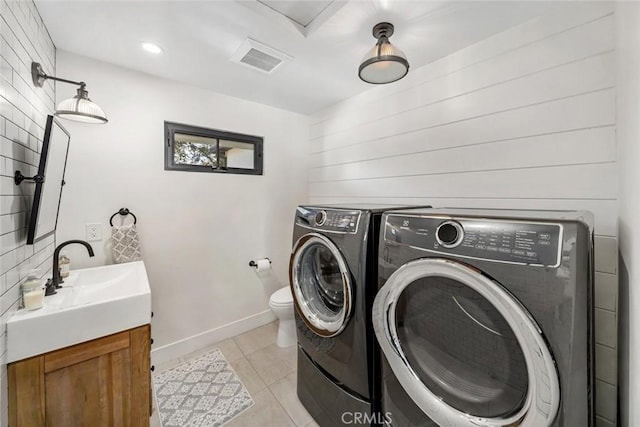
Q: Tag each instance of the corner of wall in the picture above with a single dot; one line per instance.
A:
(23, 111)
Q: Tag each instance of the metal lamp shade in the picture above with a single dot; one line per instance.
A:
(81, 109)
(385, 63)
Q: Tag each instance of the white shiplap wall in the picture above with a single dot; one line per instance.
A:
(23, 111)
(524, 119)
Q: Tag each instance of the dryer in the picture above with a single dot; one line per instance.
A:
(333, 277)
(485, 318)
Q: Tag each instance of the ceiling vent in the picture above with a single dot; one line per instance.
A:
(259, 56)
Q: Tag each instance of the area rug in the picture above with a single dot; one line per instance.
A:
(201, 392)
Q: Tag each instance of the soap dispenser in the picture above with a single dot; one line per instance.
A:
(64, 263)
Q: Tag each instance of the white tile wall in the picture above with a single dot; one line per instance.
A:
(23, 111)
(523, 119)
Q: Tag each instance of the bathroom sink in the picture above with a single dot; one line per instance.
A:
(92, 303)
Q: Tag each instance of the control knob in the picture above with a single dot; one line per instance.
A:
(449, 234)
(320, 217)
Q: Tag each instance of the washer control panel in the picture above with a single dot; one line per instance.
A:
(535, 243)
(335, 220)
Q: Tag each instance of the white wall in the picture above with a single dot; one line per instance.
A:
(524, 119)
(198, 231)
(23, 112)
(628, 129)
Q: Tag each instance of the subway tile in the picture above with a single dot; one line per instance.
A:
(606, 291)
(8, 187)
(12, 95)
(12, 131)
(12, 58)
(606, 401)
(23, 110)
(6, 72)
(606, 254)
(6, 109)
(606, 364)
(601, 422)
(606, 328)
(8, 261)
(9, 298)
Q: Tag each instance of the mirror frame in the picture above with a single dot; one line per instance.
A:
(33, 234)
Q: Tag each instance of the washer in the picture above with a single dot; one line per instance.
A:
(333, 277)
(485, 318)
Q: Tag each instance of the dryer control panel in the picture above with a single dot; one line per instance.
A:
(332, 220)
(522, 242)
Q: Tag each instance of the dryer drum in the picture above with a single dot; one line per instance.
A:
(321, 285)
(463, 348)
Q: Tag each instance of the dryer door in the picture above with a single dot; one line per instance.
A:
(464, 349)
(321, 284)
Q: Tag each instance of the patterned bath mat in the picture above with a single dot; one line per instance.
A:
(202, 392)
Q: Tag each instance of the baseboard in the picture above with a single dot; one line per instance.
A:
(177, 349)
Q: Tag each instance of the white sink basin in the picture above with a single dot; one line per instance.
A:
(92, 303)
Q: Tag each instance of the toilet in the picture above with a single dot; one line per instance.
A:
(281, 303)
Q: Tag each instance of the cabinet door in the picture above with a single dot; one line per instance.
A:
(94, 392)
(104, 382)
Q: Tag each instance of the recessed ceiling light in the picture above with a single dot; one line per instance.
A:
(151, 47)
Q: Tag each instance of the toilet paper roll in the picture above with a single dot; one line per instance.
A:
(263, 265)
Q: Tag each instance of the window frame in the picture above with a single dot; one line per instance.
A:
(171, 128)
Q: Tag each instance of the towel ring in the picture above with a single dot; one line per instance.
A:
(123, 212)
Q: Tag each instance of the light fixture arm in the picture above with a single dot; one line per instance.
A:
(18, 178)
(38, 76)
(79, 108)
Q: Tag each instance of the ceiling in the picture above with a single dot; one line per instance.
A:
(326, 40)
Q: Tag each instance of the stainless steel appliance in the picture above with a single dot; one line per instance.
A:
(484, 318)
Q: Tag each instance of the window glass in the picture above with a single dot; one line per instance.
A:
(321, 282)
(236, 154)
(197, 149)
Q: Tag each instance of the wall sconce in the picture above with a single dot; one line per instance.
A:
(384, 63)
(79, 108)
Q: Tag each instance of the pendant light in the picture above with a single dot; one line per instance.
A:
(385, 63)
(79, 108)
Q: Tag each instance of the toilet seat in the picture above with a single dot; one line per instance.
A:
(282, 297)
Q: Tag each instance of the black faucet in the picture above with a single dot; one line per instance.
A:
(54, 282)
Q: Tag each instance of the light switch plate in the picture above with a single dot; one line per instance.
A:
(94, 232)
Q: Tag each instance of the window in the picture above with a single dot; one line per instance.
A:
(197, 149)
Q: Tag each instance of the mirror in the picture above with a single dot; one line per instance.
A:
(46, 200)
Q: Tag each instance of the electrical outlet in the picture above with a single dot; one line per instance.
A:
(94, 232)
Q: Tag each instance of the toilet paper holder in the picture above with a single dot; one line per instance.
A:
(254, 264)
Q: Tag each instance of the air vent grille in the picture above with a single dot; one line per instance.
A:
(260, 60)
(259, 56)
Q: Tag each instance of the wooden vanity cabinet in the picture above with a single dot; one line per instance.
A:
(103, 382)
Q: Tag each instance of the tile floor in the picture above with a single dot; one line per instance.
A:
(269, 374)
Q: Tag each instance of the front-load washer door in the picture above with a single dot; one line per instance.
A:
(463, 348)
(321, 284)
